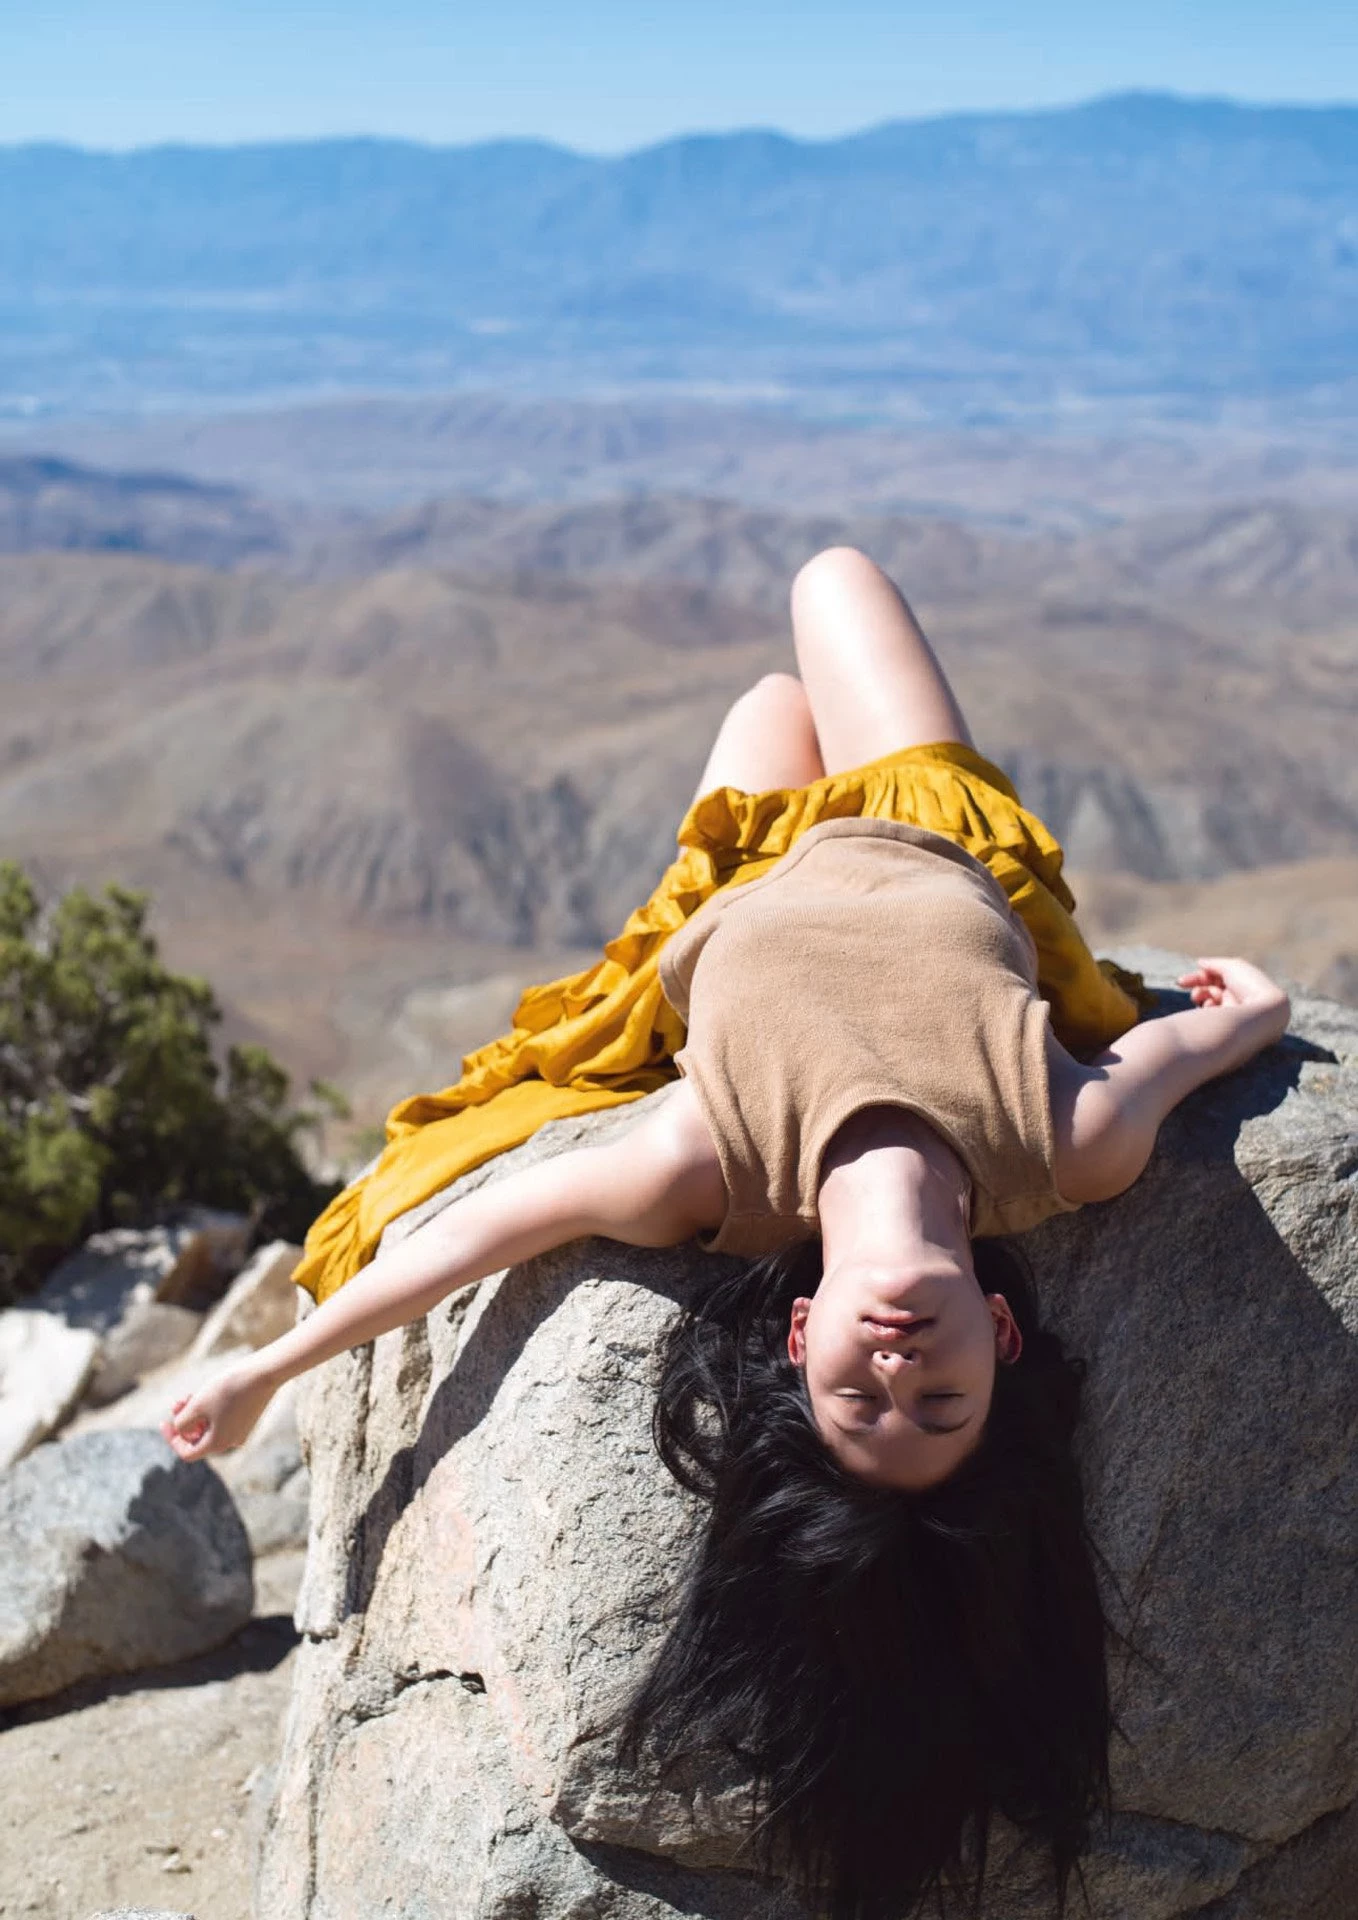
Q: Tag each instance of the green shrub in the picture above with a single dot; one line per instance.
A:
(113, 1107)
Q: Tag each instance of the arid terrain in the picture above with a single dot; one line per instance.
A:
(147, 1791)
(379, 454)
(380, 766)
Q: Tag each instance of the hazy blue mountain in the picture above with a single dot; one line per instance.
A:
(1194, 252)
(49, 505)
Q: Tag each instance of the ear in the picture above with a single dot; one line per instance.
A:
(796, 1333)
(1008, 1339)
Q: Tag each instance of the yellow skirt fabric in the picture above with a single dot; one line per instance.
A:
(607, 1035)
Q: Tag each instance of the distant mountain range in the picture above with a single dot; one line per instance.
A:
(1182, 257)
(1284, 567)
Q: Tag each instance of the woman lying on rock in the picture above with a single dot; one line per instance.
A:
(895, 1048)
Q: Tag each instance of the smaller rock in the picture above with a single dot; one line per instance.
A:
(267, 1477)
(44, 1366)
(138, 1913)
(228, 1236)
(269, 1480)
(149, 1333)
(260, 1304)
(114, 1556)
(94, 1287)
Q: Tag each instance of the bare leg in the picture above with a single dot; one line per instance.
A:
(767, 739)
(870, 675)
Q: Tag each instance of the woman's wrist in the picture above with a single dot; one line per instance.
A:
(1257, 1023)
(1266, 1017)
(266, 1367)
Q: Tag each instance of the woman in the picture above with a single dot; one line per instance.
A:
(893, 1622)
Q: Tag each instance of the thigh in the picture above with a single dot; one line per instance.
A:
(768, 739)
(871, 678)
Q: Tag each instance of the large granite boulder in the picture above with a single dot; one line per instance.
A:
(494, 1547)
(114, 1556)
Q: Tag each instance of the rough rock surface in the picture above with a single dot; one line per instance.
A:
(150, 1333)
(44, 1367)
(260, 1303)
(269, 1480)
(141, 1292)
(227, 1235)
(94, 1287)
(494, 1546)
(268, 1477)
(114, 1555)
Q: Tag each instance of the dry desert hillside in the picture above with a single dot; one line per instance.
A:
(380, 770)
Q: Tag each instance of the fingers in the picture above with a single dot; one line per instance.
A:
(188, 1432)
(1204, 992)
(1206, 983)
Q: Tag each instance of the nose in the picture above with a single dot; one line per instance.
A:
(892, 1360)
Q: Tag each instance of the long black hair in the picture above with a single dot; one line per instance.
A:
(890, 1670)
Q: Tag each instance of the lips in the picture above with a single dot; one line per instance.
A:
(893, 1326)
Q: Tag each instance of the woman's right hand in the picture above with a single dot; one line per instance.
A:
(219, 1416)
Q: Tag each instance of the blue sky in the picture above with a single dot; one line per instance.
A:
(606, 75)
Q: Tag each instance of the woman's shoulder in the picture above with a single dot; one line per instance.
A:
(1096, 1154)
(1077, 1149)
(673, 1145)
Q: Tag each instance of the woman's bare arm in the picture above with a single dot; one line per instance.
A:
(1107, 1124)
(654, 1186)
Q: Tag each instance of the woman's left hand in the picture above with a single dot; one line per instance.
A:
(218, 1417)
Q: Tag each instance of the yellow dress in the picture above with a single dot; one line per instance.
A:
(608, 1035)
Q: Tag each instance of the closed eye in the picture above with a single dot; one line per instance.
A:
(925, 1426)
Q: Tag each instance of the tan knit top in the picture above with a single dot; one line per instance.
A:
(876, 964)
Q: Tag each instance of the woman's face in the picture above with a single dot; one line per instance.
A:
(900, 1366)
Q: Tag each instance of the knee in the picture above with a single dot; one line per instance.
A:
(833, 570)
(772, 695)
(776, 702)
(784, 688)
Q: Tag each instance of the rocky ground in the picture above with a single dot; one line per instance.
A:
(146, 1791)
(141, 1783)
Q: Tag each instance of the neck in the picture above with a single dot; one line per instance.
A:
(890, 1188)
